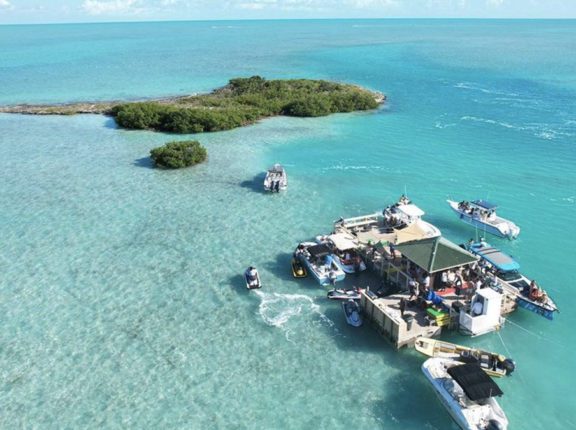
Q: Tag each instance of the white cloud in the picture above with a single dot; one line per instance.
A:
(98, 7)
(5, 4)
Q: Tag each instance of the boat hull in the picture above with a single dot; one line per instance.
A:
(325, 275)
(516, 284)
(508, 231)
(491, 410)
(349, 268)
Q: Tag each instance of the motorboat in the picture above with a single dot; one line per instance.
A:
(397, 223)
(344, 251)
(467, 393)
(298, 269)
(252, 278)
(319, 261)
(276, 179)
(352, 312)
(492, 363)
(508, 278)
(482, 215)
(344, 294)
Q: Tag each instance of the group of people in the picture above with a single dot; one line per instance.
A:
(476, 212)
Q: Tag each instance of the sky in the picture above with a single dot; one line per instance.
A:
(54, 11)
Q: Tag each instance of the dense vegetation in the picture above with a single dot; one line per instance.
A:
(175, 155)
(243, 101)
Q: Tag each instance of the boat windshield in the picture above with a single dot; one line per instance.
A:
(510, 276)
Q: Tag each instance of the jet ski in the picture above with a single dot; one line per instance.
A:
(352, 313)
(298, 269)
(342, 294)
(252, 278)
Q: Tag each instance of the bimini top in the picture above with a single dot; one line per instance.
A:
(342, 241)
(410, 210)
(474, 381)
(319, 250)
(484, 204)
(495, 257)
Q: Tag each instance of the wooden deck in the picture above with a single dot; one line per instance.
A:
(384, 313)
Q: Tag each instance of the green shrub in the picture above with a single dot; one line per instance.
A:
(175, 155)
(243, 101)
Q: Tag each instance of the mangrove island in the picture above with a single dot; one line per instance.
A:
(243, 101)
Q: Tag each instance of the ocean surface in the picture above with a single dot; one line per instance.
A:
(122, 302)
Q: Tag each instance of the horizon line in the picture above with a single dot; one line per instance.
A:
(291, 19)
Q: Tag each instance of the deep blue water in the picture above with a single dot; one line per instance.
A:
(120, 291)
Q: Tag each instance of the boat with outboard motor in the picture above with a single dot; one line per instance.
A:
(490, 362)
(344, 294)
(343, 247)
(352, 312)
(276, 178)
(482, 215)
(316, 257)
(252, 278)
(467, 393)
(508, 278)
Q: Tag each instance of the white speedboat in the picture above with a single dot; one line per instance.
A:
(482, 215)
(252, 278)
(276, 179)
(319, 261)
(467, 393)
(352, 313)
(492, 363)
(343, 248)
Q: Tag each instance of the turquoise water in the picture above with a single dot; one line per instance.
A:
(121, 298)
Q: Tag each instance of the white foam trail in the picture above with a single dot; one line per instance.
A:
(343, 167)
(474, 87)
(443, 125)
(491, 121)
(277, 310)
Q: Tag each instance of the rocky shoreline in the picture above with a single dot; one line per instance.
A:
(105, 108)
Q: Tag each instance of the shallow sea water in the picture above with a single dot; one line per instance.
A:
(121, 289)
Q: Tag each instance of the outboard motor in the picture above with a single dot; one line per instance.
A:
(276, 186)
(494, 425)
(509, 365)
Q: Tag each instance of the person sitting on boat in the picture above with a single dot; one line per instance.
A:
(536, 292)
(252, 273)
(404, 200)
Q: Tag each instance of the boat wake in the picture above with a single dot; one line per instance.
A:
(541, 131)
(344, 167)
(284, 310)
(474, 87)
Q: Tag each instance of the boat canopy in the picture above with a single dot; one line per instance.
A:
(343, 241)
(410, 210)
(484, 204)
(319, 250)
(474, 381)
(495, 257)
